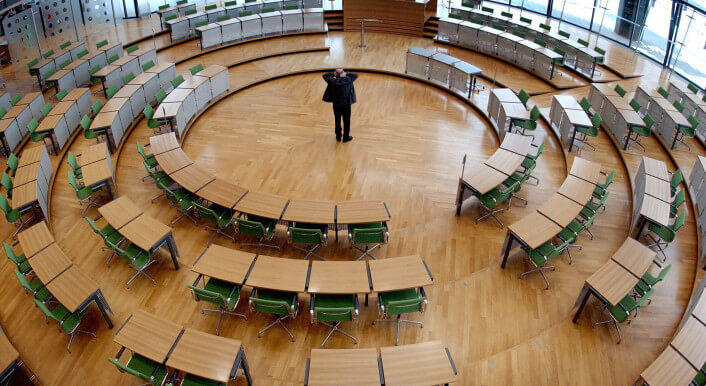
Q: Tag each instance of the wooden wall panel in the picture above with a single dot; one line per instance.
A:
(400, 17)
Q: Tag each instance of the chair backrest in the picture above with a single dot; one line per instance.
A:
(596, 120)
(113, 58)
(266, 10)
(72, 161)
(250, 227)
(679, 198)
(96, 106)
(649, 121)
(72, 181)
(564, 34)
(334, 314)
(664, 93)
(692, 87)
(82, 54)
(677, 178)
(277, 307)
(560, 51)
(368, 235)
(678, 106)
(127, 78)
(46, 311)
(525, 20)
(306, 235)
(65, 44)
(177, 81)
(506, 14)
(524, 96)
(85, 122)
(207, 213)
(15, 99)
(599, 50)
(200, 24)
(477, 21)
(131, 371)
(498, 27)
(209, 296)
(147, 65)
(210, 7)
(583, 42)
(11, 255)
(165, 6)
(170, 17)
(46, 109)
(112, 90)
(609, 178)
(64, 63)
(620, 90)
(693, 121)
(160, 95)
(32, 125)
(4, 205)
(49, 73)
(23, 281)
(148, 112)
(231, 3)
(101, 43)
(12, 162)
(132, 48)
(61, 94)
(33, 63)
(190, 12)
(48, 54)
(196, 68)
(544, 26)
(519, 34)
(487, 9)
(663, 273)
(141, 150)
(534, 113)
(6, 182)
(540, 150)
(180, 2)
(94, 69)
(227, 17)
(678, 222)
(585, 104)
(635, 104)
(540, 42)
(93, 226)
(413, 303)
(3, 111)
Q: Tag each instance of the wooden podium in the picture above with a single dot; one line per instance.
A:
(398, 17)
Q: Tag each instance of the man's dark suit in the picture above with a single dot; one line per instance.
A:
(341, 92)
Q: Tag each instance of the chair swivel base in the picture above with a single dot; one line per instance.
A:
(399, 320)
(541, 272)
(276, 322)
(491, 213)
(142, 271)
(615, 322)
(659, 243)
(71, 339)
(221, 311)
(184, 213)
(334, 328)
(216, 232)
(366, 251)
(260, 244)
(309, 251)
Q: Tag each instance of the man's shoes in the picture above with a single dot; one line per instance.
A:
(338, 139)
(348, 139)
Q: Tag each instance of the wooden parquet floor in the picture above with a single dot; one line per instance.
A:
(409, 141)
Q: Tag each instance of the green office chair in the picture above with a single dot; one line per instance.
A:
(68, 321)
(96, 107)
(664, 93)
(136, 257)
(648, 281)
(13, 216)
(491, 200)
(73, 163)
(48, 74)
(621, 311)
(226, 17)
(3, 111)
(620, 90)
(366, 234)
(183, 200)
(37, 137)
(477, 21)
(101, 43)
(687, 131)
(506, 14)
(592, 131)
(498, 27)
(677, 105)
(260, 227)
(132, 49)
(692, 87)
(112, 90)
(64, 63)
(190, 12)
(523, 96)
(193, 380)
(530, 161)
(15, 99)
(220, 217)
(334, 308)
(565, 34)
(88, 133)
(128, 78)
(94, 80)
(244, 13)
(158, 176)
(540, 256)
(635, 105)
(12, 163)
(112, 58)
(569, 236)
(487, 9)
(665, 234)
(540, 42)
(6, 183)
(314, 236)
(61, 94)
(223, 294)
(283, 305)
(160, 95)
(84, 193)
(520, 178)
(211, 7)
(679, 199)
(585, 105)
(35, 287)
(107, 234)
(177, 81)
(677, 178)
(82, 54)
(195, 69)
(147, 66)
(529, 124)
(65, 44)
(145, 369)
(20, 261)
(153, 124)
(396, 303)
(640, 131)
(149, 159)
(519, 34)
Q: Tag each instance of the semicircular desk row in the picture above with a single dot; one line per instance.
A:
(175, 163)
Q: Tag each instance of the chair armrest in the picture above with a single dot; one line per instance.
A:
(312, 314)
(357, 306)
(295, 306)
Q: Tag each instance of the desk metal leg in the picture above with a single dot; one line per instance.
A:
(573, 137)
(586, 294)
(173, 251)
(105, 92)
(593, 69)
(640, 228)
(110, 191)
(551, 73)
(674, 142)
(459, 197)
(507, 246)
(241, 362)
(627, 139)
(53, 144)
(5, 146)
(103, 307)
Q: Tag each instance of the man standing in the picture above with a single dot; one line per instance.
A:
(341, 93)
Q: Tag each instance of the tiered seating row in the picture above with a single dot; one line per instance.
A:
(565, 116)
(112, 74)
(447, 70)
(652, 196)
(694, 104)
(668, 119)
(51, 61)
(504, 109)
(618, 115)
(30, 186)
(13, 124)
(697, 186)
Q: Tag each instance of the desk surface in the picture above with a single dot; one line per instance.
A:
(664, 104)
(123, 60)
(26, 174)
(534, 229)
(222, 193)
(516, 143)
(115, 104)
(212, 70)
(192, 177)
(619, 102)
(8, 353)
(656, 168)
(669, 369)
(76, 94)
(35, 238)
(72, 288)
(105, 71)
(505, 161)
(505, 95)
(560, 209)
(634, 257)
(482, 178)
(59, 74)
(338, 277)
(279, 274)
(193, 82)
(658, 188)
(577, 189)
(127, 91)
(49, 263)
(262, 204)
(205, 355)
(120, 211)
(420, 364)
(699, 310)
(578, 118)
(143, 78)
(15, 111)
(163, 143)
(96, 173)
(689, 342)
(360, 212)
(145, 231)
(605, 89)
(612, 281)
(62, 107)
(178, 95)
(173, 160)
(398, 273)
(29, 98)
(344, 366)
(148, 335)
(515, 110)
(24, 195)
(586, 170)
(103, 120)
(655, 210)
(160, 67)
(31, 155)
(567, 102)
(94, 153)
(225, 264)
(310, 211)
(166, 110)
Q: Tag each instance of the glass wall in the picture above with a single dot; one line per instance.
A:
(577, 12)
(652, 39)
(689, 55)
(539, 6)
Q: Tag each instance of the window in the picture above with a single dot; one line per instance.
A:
(688, 59)
(574, 11)
(539, 6)
(652, 39)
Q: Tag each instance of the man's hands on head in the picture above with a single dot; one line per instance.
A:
(339, 73)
